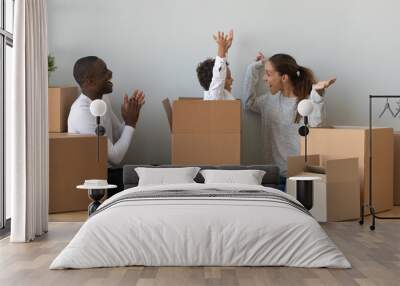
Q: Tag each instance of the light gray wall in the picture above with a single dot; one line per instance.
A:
(156, 45)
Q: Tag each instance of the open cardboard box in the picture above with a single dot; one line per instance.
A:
(340, 142)
(336, 194)
(204, 132)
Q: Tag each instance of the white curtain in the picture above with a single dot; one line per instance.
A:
(26, 117)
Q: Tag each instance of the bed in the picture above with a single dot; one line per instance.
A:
(197, 224)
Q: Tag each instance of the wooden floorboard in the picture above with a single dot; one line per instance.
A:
(375, 257)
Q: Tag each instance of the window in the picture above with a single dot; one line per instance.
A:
(6, 44)
(9, 18)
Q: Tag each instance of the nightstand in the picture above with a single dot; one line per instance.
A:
(96, 193)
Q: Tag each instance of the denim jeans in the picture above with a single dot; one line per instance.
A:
(282, 183)
(115, 178)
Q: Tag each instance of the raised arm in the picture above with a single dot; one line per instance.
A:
(251, 80)
(117, 125)
(317, 117)
(130, 111)
(217, 85)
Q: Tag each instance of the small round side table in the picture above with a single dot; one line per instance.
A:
(95, 193)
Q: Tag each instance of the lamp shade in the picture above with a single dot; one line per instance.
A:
(305, 107)
(98, 107)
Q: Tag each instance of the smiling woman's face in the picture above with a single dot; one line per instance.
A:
(272, 78)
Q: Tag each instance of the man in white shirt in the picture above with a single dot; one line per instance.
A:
(94, 79)
(214, 74)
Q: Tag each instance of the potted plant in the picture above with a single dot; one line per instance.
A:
(51, 63)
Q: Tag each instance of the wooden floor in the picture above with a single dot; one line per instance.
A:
(375, 257)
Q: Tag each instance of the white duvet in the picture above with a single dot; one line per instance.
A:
(193, 231)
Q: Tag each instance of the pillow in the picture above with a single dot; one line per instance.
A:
(248, 177)
(166, 176)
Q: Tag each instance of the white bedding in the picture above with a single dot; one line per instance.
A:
(200, 231)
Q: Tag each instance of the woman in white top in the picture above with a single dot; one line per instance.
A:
(288, 83)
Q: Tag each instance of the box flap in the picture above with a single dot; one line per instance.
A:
(342, 170)
(189, 98)
(343, 186)
(297, 164)
(168, 111)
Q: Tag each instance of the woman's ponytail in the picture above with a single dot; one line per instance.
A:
(302, 86)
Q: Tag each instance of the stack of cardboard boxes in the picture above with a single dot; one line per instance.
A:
(353, 142)
(73, 158)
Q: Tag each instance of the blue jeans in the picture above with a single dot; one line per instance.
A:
(115, 178)
(282, 183)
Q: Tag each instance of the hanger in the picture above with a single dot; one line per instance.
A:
(387, 107)
(398, 109)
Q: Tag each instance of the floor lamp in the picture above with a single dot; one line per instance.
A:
(304, 186)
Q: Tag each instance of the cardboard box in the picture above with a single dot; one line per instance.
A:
(73, 159)
(59, 104)
(336, 194)
(346, 142)
(204, 132)
(396, 190)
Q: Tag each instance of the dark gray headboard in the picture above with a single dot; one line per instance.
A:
(271, 178)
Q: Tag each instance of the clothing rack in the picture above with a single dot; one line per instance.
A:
(370, 203)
